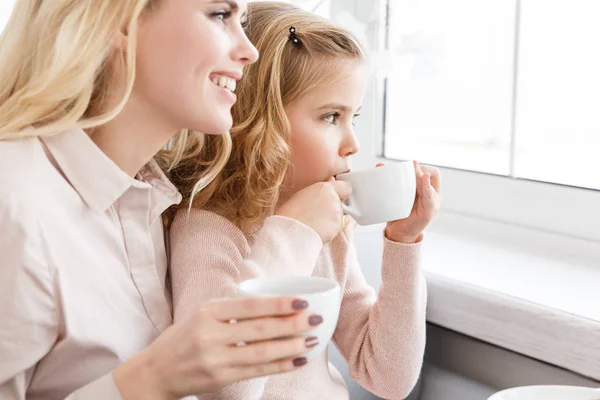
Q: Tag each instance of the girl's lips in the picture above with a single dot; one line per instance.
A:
(340, 173)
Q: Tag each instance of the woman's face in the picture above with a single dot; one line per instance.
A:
(190, 55)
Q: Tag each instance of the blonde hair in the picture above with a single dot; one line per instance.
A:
(247, 189)
(56, 72)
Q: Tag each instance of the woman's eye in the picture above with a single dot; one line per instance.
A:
(222, 15)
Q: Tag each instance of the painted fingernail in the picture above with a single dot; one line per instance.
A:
(315, 320)
(298, 362)
(299, 304)
(312, 341)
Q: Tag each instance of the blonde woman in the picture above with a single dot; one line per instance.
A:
(293, 128)
(91, 91)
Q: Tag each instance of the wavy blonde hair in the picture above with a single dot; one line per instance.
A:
(247, 189)
(56, 73)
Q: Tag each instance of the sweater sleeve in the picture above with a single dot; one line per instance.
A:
(210, 256)
(382, 336)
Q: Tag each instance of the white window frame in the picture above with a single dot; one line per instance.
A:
(5, 16)
(550, 208)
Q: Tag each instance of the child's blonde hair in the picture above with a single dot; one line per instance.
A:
(55, 64)
(247, 189)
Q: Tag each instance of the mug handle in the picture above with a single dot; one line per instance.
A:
(350, 211)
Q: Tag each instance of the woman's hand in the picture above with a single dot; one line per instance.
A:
(427, 204)
(202, 353)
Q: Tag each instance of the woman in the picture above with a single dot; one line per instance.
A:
(91, 91)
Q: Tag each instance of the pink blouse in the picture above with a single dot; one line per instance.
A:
(82, 267)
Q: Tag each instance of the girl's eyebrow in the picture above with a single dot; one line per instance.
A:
(338, 107)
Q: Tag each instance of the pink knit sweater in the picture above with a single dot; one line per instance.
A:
(382, 336)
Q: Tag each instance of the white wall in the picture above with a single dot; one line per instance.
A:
(457, 367)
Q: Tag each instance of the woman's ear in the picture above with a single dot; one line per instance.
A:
(120, 41)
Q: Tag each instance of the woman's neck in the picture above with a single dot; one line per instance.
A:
(132, 138)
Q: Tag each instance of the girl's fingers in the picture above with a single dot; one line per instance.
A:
(418, 169)
(422, 192)
(421, 187)
(428, 190)
(380, 165)
(435, 177)
(419, 177)
(432, 199)
(343, 189)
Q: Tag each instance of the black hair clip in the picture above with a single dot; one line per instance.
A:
(293, 36)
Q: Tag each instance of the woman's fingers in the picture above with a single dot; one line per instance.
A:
(255, 307)
(276, 367)
(270, 351)
(269, 328)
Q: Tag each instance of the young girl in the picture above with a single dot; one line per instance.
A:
(293, 129)
(91, 90)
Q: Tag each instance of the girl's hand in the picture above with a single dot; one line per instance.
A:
(427, 204)
(319, 206)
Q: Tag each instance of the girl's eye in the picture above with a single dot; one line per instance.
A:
(332, 118)
(354, 117)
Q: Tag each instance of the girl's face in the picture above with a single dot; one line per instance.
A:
(190, 55)
(322, 129)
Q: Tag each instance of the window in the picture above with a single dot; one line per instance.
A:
(507, 87)
(501, 94)
(320, 7)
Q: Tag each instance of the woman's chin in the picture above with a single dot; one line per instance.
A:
(220, 125)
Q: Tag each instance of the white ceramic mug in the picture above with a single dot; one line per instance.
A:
(323, 296)
(547, 392)
(381, 194)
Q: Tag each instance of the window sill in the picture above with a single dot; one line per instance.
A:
(530, 292)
